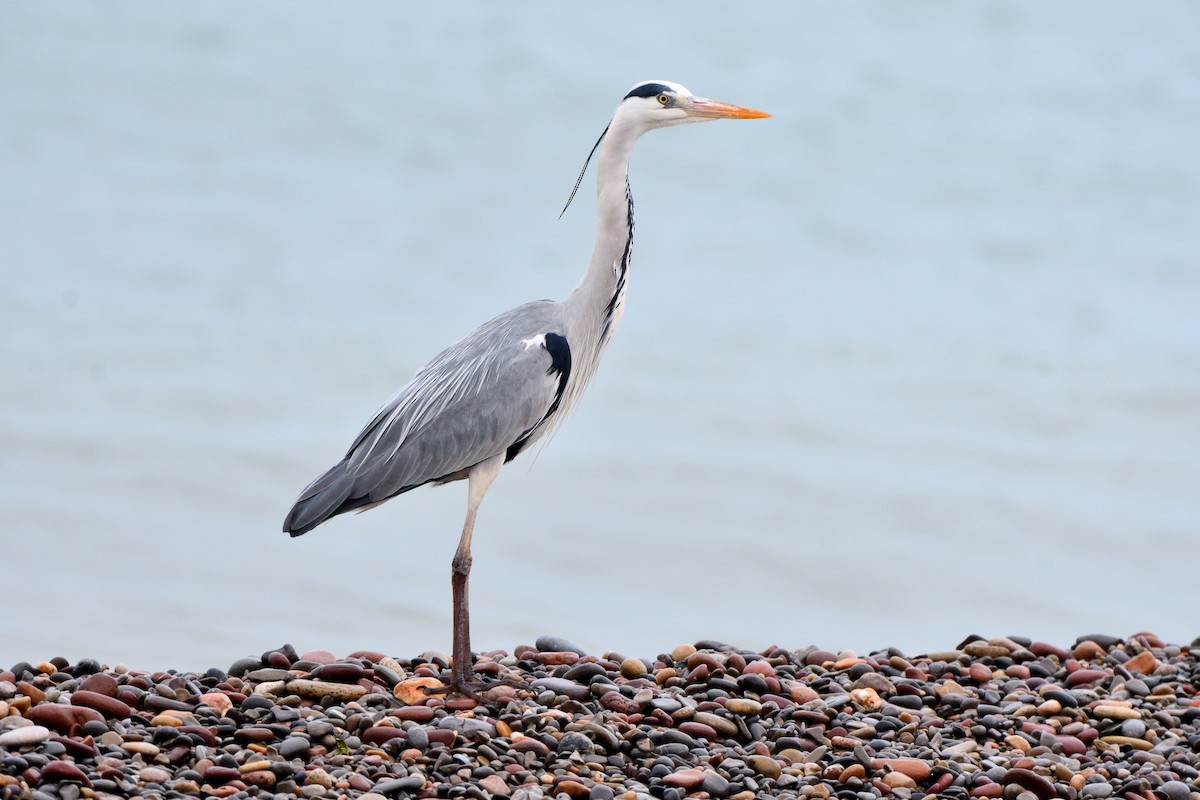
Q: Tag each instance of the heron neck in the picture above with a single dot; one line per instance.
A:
(599, 297)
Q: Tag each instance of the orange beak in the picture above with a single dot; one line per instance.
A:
(715, 109)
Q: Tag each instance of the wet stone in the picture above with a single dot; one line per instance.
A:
(556, 644)
(1035, 724)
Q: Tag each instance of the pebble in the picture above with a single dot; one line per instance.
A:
(24, 737)
(1003, 717)
(555, 644)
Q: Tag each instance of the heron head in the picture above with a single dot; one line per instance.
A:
(658, 104)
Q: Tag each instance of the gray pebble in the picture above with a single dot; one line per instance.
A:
(294, 747)
(409, 783)
(556, 644)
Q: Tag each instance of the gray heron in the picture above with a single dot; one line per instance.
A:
(482, 401)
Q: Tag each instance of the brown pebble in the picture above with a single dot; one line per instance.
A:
(980, 673)
(340, 672)
(739, 705)
(1112, 711)
(34, 694)
(457, 703)
(414, 713)
(764, 668)
(147, 749)
(615, 701)
(262, 778)
(723, 727)
(633, 668)
(164, 718)
(100, 683)
(216, 774)
(493, 785)
(898, 780)
(686, 778)
(61, 717)
(1126, 741)
(413, 691)
(765, 766)
(855, 770)
(1081, 676)
(1039, 785)
(254, 733)
(445, 736)
(317, 690)
(681, 652)
(59, 771)
(571, 787)
(802, 694)
(558, 658)
(218, 702)
(866, 699)
(698, 730)
(1143, 662)
(153, 775)
(985, 650)
(527, 745)
(382, 733)
(326, 657)
(914, 768)
(1088, 650)
(108, 706)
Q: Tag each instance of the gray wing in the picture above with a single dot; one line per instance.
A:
(488, 394)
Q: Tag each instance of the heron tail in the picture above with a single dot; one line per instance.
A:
(327, 496)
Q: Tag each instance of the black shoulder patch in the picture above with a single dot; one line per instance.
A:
(648, 90)
(560, 364)
(560, 357)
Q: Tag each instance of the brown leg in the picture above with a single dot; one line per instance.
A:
(462, 677)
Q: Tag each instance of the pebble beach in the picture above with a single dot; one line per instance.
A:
(1002, 717)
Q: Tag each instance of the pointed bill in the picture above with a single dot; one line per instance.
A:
(716, 109)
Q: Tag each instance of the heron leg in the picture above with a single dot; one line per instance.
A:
(479, 479)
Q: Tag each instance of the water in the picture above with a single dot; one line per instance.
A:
(916, 358)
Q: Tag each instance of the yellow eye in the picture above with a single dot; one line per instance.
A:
(664, 99)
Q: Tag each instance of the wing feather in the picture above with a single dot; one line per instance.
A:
(471, 402)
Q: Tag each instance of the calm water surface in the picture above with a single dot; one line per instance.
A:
(918, 357)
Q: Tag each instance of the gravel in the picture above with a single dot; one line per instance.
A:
(998, 718)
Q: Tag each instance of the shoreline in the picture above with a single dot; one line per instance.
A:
(1003, 717)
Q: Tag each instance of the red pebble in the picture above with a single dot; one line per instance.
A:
(615, 701)
(698, 730)
(100, 683)
(217, 774)
(941, 783)
(446, 736)
(57, 771)
(1072, 745)
(60, 717)
(1081, 676)
(461, 703)
(339, 672)
(414, 713)
(379, 734)
(558, 658)
(687, 778)
(988, 790)
(1043, 649)
(108, 706)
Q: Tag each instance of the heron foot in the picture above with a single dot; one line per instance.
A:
(474, 687)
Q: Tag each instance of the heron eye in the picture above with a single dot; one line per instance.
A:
(662, 98)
